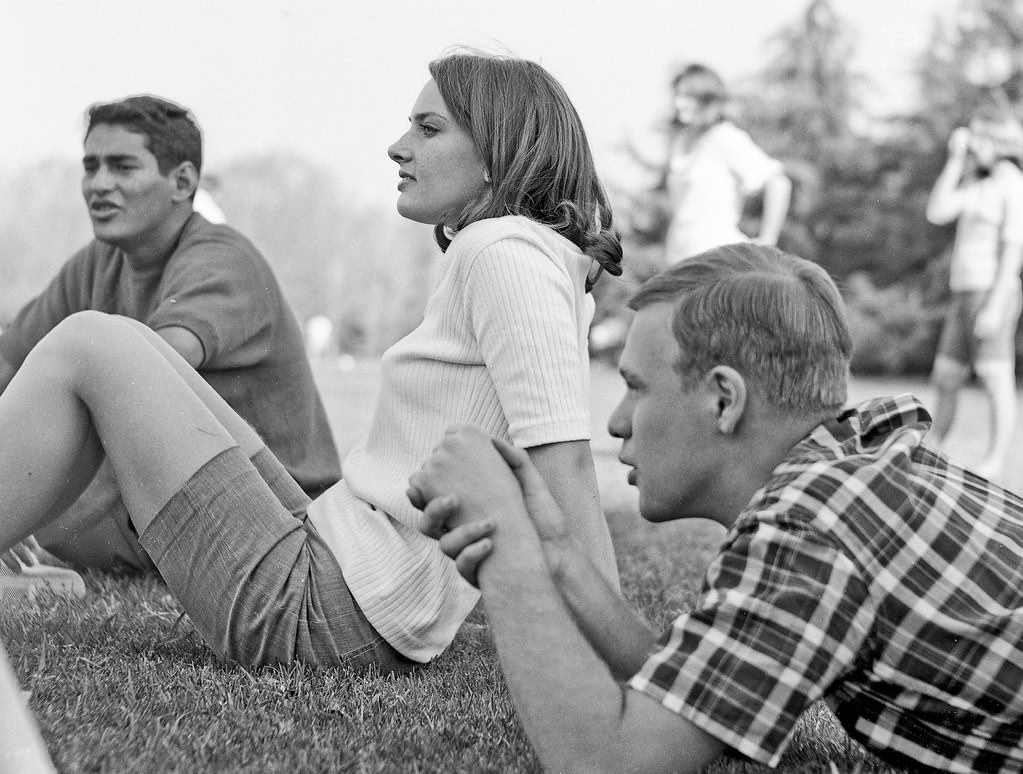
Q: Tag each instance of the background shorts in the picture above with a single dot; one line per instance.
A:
(958, 342)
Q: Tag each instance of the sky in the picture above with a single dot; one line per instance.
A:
(333, 80)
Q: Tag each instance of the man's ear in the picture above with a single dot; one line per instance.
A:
(730, 397)
(186, 180)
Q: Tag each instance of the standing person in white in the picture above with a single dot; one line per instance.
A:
(713, 167)
(981, 189)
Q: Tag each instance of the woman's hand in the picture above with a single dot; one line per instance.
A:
(468, 544)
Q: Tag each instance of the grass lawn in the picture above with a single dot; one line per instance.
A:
(121, 682)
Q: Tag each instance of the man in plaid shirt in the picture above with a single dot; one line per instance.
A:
(860, 566)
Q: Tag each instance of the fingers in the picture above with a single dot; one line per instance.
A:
(469, 561)
(512, 455)
(415, 493)
(436, 515)
(456, 541)
(523, 468)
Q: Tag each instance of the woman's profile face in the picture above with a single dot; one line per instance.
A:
(439, 169)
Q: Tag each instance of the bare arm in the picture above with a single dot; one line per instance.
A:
(568, 470)
(620, 637)
(185, 343)
(777, 194)
(946, 200)
(576, 714)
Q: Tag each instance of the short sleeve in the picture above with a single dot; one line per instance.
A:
(218, 288)
(784, 614)
(523, 308)
(747, 161)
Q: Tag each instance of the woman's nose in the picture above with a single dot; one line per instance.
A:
(398, 150)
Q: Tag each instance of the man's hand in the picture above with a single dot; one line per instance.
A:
(467, 538)
(468, 544)
(540, 504)
(466, 464)
(462, 489)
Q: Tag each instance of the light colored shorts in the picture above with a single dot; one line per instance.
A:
(958, 342)
(235, 548)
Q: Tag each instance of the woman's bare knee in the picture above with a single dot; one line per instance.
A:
(87, 347)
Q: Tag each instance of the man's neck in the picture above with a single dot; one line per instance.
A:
(152, 253)
(757, 453)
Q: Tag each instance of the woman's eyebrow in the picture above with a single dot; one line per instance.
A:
(427, 114)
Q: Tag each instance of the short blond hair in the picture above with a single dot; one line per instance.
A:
(777, 319)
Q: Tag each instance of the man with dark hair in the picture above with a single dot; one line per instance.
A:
(860, 566)
(204, 288)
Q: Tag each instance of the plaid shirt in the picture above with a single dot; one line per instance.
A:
(871, 572)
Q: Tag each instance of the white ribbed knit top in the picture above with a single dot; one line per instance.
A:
(503, 345)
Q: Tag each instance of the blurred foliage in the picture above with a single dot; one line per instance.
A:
(861, 182)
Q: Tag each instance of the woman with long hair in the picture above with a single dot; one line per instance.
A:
(713, 166)
(496, 159)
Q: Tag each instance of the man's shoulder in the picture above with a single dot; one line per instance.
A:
(216, 242)
(869, 452)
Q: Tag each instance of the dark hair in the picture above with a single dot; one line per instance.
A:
(711, 86)
(171, 132)
(533, 147)
(777, 319)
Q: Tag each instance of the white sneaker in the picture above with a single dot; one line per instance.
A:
(58, 580)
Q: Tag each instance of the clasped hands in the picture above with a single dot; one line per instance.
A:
(472, 486)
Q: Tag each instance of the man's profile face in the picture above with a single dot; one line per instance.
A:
(128, 198)
(667, 433)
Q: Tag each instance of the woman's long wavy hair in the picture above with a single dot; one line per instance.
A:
(534, 149)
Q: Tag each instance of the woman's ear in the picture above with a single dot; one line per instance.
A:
(730, 395)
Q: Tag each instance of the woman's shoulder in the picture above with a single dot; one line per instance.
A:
(726, 134)
(481, 234)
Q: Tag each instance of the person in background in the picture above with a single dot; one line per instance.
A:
(980, 188)
(713, 166)
(204, 289)
(860, 566)
(496, 159)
